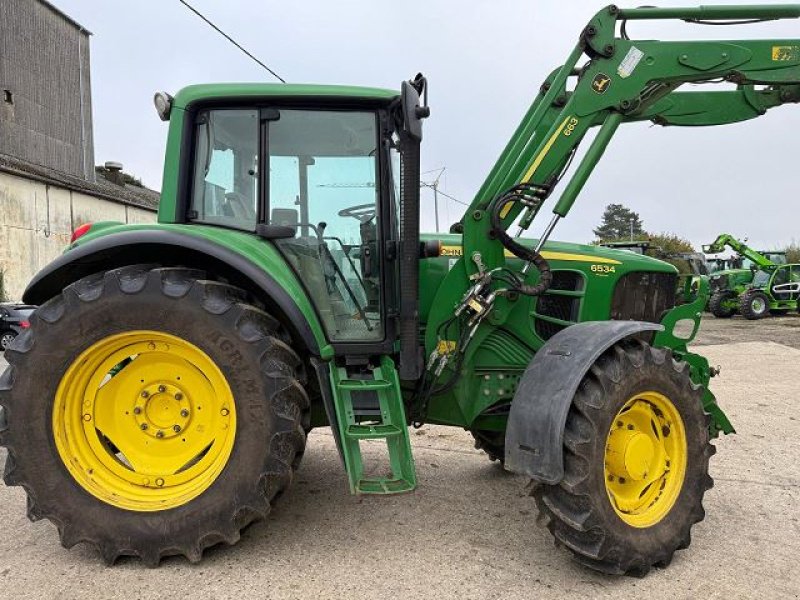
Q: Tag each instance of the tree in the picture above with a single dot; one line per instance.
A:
(619, 223)
(793, 253)
(670, 243)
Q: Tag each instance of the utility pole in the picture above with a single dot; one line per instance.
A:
(631, 229)
(435, 187)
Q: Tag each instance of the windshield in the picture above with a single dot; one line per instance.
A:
(761, 278)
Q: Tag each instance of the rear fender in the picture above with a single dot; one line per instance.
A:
(535, 431)
(171, 248)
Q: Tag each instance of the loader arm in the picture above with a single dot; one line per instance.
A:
(727, 240)
(625, 81)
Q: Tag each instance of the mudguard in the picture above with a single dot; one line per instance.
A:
(170, 247)
(535, 431)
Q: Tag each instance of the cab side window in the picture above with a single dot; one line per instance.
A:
(225, 183)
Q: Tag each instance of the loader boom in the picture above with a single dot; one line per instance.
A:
(626, 81)
(727, 240)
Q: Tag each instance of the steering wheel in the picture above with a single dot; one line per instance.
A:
(363, 213)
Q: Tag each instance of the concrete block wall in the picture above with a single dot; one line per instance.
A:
(37, 220)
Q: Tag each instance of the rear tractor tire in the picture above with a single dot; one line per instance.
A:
(754, 305)
(636, 452)
(720, 304)
(152, 412)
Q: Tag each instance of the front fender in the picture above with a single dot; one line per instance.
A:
(240, 258)
(535, 431)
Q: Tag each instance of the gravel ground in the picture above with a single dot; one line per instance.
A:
(469, 531)
(782, 330)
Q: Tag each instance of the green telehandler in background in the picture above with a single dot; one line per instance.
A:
(764, 284)
(160, 401)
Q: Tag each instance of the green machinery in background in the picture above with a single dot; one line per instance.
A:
(761, 284)
(687, 263)
(187, 360)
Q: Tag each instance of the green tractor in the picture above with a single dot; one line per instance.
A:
(761, 283)
(160, 401)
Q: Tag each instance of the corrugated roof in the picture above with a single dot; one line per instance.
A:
(131, 195)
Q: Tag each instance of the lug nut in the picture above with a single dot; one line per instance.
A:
(145, 394)
(178, 396)
(162, 389)
(159, 482)
(137, 410)
(176, 428)
(224, 412)
(159, 434)
(143, 426)
(184, 413)
(87, 417)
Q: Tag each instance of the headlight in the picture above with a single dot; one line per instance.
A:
(163, 102)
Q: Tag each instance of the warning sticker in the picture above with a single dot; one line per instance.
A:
(785, 53)
(630, 62)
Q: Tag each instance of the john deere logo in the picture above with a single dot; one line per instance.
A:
(600, 83)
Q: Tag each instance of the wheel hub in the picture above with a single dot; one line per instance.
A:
(645, 459)
(630, 454)
(162, 410)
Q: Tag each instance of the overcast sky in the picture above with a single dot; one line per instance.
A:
(484, 62)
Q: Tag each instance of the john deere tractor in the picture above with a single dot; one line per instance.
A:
(160, 400)
(762, 284)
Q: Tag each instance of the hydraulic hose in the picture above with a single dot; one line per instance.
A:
(521, 193)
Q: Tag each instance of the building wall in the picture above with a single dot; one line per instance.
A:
(45, 94)
(37, 220)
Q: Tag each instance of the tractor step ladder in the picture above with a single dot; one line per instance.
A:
(384, 420)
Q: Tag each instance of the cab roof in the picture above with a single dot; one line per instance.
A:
(223, 91)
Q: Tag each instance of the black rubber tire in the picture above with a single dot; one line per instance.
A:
(578, 511)
(716, 307)
(5, 340)
(265, 375)
(493, 443)
(746, 305)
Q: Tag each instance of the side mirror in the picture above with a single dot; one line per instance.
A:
(413, 111)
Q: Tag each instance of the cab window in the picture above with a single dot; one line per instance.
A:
(225, 180)
(323, 183)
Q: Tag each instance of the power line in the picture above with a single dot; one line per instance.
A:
(445, 195)
(230, 39)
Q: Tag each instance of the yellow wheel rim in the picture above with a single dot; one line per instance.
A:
(144, 421)
(645, 459)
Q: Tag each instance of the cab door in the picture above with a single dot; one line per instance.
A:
(782, 287)
(325, 183)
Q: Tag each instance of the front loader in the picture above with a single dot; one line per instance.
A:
(160, 401)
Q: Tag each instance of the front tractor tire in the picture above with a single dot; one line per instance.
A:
(636, 453)
(721, 304)
(152, 412)
(754, 305)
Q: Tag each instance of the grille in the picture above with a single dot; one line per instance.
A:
(546, 329)
(567, 280)
(643, 296)
(563, 308)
